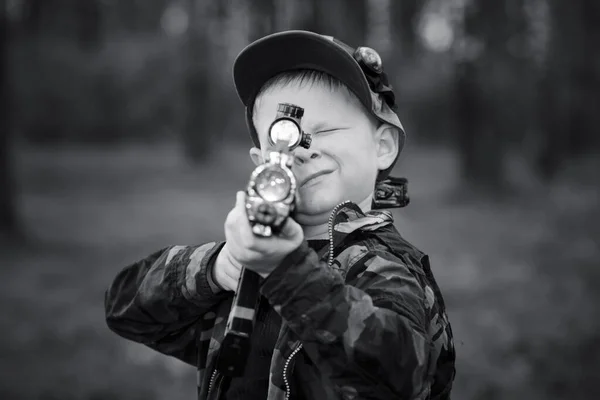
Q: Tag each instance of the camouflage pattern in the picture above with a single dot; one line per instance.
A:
(371, 321)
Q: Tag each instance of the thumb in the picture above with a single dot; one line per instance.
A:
(240, 202)
(240, 198)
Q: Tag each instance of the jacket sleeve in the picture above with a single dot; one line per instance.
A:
(369, 338)
(159, 300)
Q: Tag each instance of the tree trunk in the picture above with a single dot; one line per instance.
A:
(405, 14)
(8, 217)
(378, 31)
(32, 20)
(345, 20)
(553, 96)
(468, 115)
(585, 77)
(262, 17)
(552, 126)
(567, 94)
(482, 127)
(206, 115)
(89, 24)
(196, 137)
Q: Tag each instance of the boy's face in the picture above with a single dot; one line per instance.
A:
(346, 152)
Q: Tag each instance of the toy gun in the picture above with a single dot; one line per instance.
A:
(271, 198)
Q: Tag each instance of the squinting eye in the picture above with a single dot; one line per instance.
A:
(328, 130)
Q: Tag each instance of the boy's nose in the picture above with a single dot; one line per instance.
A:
(302, 155)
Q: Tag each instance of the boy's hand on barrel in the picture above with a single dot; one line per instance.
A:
(259, 254)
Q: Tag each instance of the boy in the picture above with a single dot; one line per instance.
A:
(348, 308)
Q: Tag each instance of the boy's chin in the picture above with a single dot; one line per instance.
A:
(306, 219)
(314, 212)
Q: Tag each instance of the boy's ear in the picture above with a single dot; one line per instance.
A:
(387, 137)
(256, 156)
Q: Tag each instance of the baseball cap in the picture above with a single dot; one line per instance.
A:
(360, 69)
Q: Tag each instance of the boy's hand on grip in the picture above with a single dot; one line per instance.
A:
(259, 254)
(226, 271)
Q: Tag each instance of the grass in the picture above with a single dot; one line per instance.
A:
(519, 275)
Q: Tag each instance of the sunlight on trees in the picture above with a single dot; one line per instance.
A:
(175, 20)
(437, 32)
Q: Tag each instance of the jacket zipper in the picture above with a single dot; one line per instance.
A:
(285, 368)
(330, 228)
(329, 263)
(211, 383)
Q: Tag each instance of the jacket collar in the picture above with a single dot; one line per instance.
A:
(349, 218)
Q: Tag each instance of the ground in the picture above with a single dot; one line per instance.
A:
(519, 274)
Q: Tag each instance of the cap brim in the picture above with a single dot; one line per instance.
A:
(293, 50)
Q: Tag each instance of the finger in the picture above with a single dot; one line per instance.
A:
(239, 208)
(230, 283)
(235, 265)
(244, 228)
(233, 272)
(240, 199)
(235, 278)
(230, 220)
(290, 228)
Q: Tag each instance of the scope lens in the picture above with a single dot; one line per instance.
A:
(273, 185)
(285, 130)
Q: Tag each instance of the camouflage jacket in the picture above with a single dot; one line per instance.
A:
(366, 312)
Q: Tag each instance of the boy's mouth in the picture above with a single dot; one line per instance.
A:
(310, 177)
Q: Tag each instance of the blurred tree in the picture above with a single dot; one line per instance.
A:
(568, 91)
(484, 68)
(262, 18)
(129, 13)
(33, 16)
(343, 19)
(89, 24)
(196, 86)
(205, 112)
(379, 33)
(405, 14)
(8, 218)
